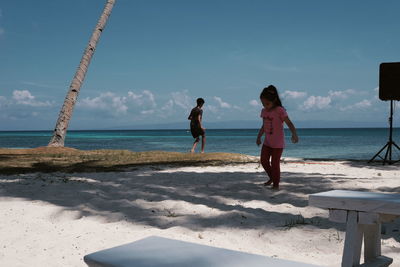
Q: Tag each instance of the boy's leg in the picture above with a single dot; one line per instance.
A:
(265, 162)
(203, 143)
(195, 144)
(275, 165)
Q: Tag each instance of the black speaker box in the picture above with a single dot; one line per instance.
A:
(389, 81)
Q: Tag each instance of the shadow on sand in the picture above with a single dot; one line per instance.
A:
(155, 197)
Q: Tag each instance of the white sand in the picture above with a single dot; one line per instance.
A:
(55, 219)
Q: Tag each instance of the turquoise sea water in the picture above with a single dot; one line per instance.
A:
(354, 143)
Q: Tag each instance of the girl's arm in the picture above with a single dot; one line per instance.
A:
(289, 123)
(260, 134)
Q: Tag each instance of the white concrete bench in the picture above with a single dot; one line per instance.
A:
(162, 252)
(363, 213)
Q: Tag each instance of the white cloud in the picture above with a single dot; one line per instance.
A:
(22, 105)
(24, 97)
(106, 101)
(142, 103)
(139, 105)
(216, 112)
(254, 103)
(341, 94)
(147, 112)
(221, 103)
(363, 104)
(293, 94)
(145, 98)
(211, 108)
(167, 108)
(182, 99)
(316, 103)
(119, 104)
(359, 105)
(150, 97)
(325, 102)
(179, 102)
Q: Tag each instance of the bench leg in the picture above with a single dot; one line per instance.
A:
(353, 241)
(372, 242)
(372, 247)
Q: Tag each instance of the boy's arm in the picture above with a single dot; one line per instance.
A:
(200, 119)
(190, 117)
(260, 134)
(289, 123)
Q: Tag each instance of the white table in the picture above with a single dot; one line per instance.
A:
(163, 252)
(363, 213)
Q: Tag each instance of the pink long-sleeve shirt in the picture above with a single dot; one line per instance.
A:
(273, 126)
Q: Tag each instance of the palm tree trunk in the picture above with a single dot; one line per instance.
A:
(65, 115)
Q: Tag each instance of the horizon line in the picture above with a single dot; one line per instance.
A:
(187, 129)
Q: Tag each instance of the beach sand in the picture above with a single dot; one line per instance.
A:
(54, 219)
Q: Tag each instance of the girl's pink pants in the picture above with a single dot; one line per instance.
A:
(270, 160)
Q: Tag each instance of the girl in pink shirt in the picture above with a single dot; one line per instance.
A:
(273, 116)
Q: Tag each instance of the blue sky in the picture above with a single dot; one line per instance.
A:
(156, 57)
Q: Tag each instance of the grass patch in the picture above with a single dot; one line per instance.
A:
(51, 159)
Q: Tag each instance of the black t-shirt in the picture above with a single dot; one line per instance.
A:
(194, 115)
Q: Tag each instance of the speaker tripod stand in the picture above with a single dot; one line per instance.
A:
(389, 144)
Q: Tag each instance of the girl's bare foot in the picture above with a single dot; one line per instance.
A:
(268, 182)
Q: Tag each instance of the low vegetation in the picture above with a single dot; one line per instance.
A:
(52, 159)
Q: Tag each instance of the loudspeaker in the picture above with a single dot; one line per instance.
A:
(389, 81)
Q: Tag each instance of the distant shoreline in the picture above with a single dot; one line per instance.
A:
(71, 160)
(315, 143)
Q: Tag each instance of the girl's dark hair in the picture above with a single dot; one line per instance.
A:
(271, 93)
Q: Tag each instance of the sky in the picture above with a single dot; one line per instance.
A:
(155, 57)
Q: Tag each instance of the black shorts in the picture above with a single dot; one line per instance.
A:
(196, 131)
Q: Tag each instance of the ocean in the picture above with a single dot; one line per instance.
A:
(349, 143)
